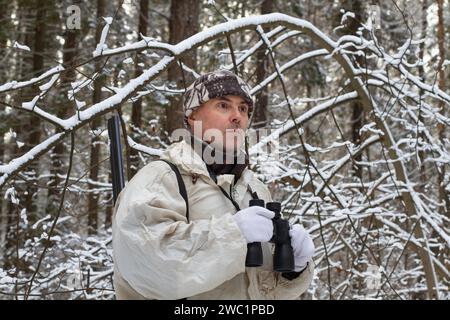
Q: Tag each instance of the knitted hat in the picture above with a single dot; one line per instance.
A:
(214, 85)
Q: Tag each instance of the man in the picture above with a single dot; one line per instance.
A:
(160, 253)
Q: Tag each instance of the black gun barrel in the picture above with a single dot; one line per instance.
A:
(115, 148)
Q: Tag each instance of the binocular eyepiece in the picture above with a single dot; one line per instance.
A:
(283, 258)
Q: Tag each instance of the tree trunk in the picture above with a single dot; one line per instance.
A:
(34, 126)
(63, 111)
(357, 108)
(357, 119)
(136, 114)
(4, 35)
(262, 99)
(183, 24)
(424, 26)
(443, 194)
(421, 154)
(95, 146)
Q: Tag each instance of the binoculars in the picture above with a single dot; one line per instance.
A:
(283, 258)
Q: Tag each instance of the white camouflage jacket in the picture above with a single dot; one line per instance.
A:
(159, 255)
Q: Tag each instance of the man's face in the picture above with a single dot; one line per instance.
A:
(223, 122)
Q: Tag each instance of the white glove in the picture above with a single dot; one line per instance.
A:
(255, 223)
(302, 245)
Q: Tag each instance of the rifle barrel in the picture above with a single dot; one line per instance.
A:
(115, 148)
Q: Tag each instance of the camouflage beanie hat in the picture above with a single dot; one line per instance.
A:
(214, 85)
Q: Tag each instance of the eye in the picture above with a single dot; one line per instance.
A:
(222, 105)
(243, 108)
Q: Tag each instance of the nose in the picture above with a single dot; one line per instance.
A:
(236, 116)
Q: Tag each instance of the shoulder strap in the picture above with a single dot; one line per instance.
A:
(181, 185)
(253, 193)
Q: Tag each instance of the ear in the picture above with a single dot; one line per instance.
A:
(191, 119)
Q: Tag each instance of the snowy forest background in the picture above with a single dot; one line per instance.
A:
(357, 92)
